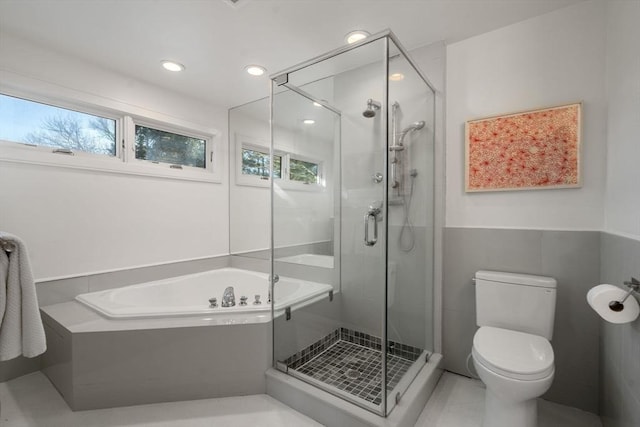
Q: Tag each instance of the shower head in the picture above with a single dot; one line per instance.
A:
(372, 106)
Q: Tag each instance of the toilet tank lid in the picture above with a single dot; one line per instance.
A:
(516, 278)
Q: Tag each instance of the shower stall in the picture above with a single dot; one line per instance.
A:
(352, 188)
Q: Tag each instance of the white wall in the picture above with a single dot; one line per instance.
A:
(549, 60)
(77, 222)
(622, 201)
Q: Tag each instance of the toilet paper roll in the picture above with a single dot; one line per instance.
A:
(599, 298)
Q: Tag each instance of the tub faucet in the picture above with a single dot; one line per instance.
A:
(228, 298)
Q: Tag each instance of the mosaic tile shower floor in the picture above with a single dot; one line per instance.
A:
(355, 369)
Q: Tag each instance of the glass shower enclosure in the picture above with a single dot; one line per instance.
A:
(352, 188)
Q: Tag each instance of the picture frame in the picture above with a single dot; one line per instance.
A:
(528, 150)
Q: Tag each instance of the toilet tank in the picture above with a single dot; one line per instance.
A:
(520, 302)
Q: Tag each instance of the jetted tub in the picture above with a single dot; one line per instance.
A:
(190, 294)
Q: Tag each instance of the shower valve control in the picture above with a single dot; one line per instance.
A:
(377, 177)
(243, 300)
(213, 302)
(257, 301)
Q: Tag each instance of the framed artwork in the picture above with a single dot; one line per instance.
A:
(531, 150)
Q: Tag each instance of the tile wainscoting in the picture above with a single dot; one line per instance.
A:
(619, 344)
(572, 257)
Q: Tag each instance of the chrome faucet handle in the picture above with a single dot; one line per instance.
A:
(228, 297)
(257, 301)
(243, 300)
(213, 302)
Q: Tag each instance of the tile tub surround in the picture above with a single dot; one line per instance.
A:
(619, 344)
(572, 257)
(99, 363)
(19, 366)
(62, 290)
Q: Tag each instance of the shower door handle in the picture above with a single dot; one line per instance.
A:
(372, 214)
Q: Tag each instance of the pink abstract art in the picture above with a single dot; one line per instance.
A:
(530, 150)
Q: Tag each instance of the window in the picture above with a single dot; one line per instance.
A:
(256, 162)
(289, 169)
(62, 130)
(303, 171)
(160, 146)
(96, 138)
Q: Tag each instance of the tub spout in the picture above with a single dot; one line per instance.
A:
(228, 298)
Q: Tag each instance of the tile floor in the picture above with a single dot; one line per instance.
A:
(31, 401)
(458, 401)
(355, 369)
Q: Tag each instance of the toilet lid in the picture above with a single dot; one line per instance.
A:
(513, 354)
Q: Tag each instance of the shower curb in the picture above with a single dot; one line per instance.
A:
(332, 411)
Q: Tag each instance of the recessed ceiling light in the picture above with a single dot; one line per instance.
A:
(255, 70)
(396, 77)
(356, 36)
(308, 121)
(172, 66)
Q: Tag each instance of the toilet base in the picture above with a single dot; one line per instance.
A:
(504, 413)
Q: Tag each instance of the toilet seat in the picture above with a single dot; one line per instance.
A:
(513, 354)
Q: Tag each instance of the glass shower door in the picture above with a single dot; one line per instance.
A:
(411, 224)
(332, 114)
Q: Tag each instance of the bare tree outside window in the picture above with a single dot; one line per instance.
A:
(45, 125)
(97, 136)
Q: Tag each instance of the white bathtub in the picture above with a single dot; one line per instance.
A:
(190, 294)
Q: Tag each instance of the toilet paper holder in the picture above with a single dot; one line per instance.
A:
(633, 285)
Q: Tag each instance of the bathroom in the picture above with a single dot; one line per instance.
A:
(87, 229)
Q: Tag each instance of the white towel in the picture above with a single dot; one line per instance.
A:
(21, 330)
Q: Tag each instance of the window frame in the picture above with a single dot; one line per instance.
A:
(210, 146)
(244, 142)
(306, 159)
(124, 161)
(71, 106)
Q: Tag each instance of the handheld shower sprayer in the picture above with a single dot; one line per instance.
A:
(414, 126)
(372, 106)
(398, 145)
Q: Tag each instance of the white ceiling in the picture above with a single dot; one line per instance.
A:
(216, 39)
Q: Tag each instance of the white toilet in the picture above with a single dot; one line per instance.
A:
(511, 350)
